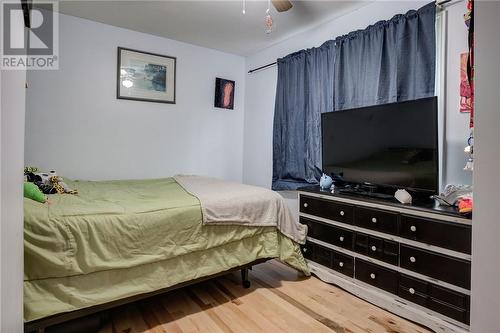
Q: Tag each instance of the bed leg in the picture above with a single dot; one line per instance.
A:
(245, 282)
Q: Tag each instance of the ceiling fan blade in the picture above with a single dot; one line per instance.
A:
(282, 5)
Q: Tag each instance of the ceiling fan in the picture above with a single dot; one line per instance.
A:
(282, 5)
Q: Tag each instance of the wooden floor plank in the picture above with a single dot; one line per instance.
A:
(294, 314)
(107, 328)
(128, 319)
(155, 314)
(266, 321)
(194, 316)
(278, 313)
(279, 300)
(227, 310)
(177, 311)
(318, 303)
(333, 303)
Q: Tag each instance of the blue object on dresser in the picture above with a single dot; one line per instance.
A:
(325, 182)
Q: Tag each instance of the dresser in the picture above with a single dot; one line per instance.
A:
(412, 260)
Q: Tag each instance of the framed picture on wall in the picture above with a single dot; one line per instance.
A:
(224, 94)
(144, 76)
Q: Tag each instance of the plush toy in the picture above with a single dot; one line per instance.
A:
(47, 182)
(465, 205)
(325, 182)
(31, 191)
(42, 180)
(61, 186)
(30, 169)
(30, 174)
(44, 177)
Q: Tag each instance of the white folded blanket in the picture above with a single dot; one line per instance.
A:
(230, 203)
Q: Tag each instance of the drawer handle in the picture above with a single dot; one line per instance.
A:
(341, 238)
(372, 276)
(341, 264)
(305, 205)
(342, 213)
(374, 248)
(413, 259)
(413, 228)
(374, 219)
(412, 291)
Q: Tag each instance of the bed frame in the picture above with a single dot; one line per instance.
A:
(91, 318)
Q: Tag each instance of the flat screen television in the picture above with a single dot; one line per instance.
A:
(392, 145)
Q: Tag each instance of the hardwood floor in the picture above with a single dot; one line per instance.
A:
(279, 300)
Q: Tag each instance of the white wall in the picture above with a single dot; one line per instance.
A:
(261, 88)
(12, 106)
(76, 125)
(485, 309)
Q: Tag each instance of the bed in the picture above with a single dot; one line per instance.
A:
(119, 239)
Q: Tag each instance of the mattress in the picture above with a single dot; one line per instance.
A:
(122, 238)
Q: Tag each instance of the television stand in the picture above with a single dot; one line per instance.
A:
(413, 260)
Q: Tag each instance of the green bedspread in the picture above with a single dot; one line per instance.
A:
(121, 238)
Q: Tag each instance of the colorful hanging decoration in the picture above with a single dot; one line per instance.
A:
(467, 93)
(469, 22)
(469, 152)
(269, 24)
(268, 20)
(465, 88)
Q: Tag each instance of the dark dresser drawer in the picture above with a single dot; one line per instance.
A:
(327, 209)
(307, 250)
(343, 263)
(448, 235)
(377, 276)
(442, 300)
(452, 270)
(376, 247)
(449, 311)
(375, 219)
(335, 260)
(413, 290)
(322, 255)
(448, 296)
(328, 233)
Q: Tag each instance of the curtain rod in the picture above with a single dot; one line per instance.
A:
(444, 3)
(262, 67)
(438, 3)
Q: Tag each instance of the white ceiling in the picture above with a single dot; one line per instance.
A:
(215, 24)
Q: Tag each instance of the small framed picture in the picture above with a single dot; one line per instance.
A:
(144, 76)
(224, 94)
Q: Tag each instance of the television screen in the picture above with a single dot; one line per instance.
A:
(391, 145)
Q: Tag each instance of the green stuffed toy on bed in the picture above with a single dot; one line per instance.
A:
(31, 191)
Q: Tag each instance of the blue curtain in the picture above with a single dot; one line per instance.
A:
(304, 91)
(387, 62)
